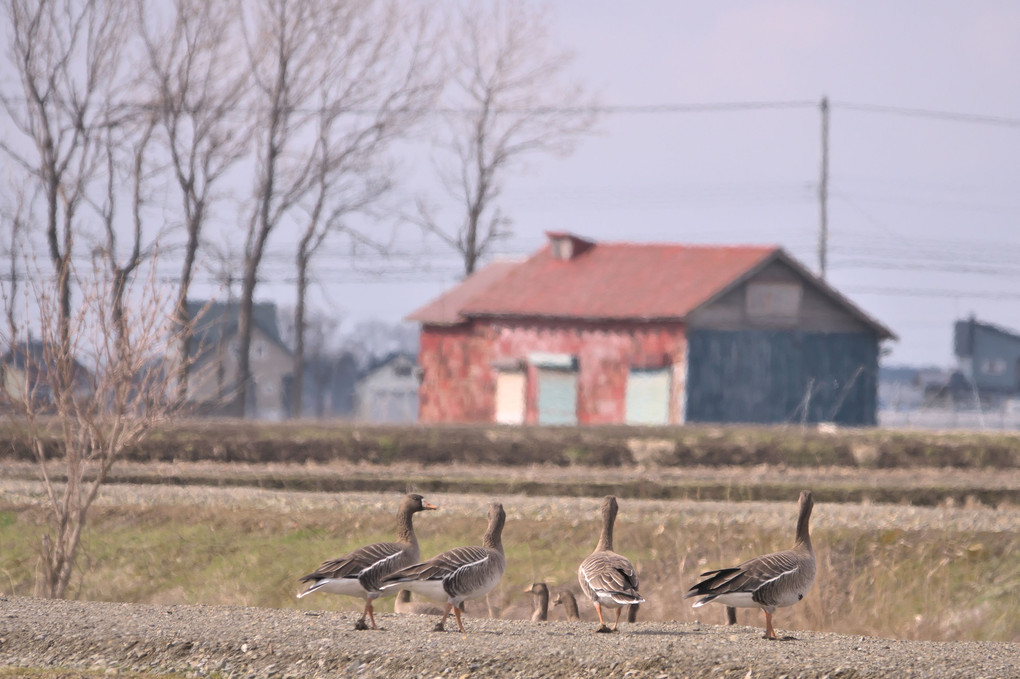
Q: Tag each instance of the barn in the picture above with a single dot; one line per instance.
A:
(586, 332)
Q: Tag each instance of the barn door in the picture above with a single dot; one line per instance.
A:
(510, 397)
(557, 396)
(648, 396)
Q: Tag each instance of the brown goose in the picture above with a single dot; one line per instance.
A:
(360, 572)
(540, 605)
(458, 574)
(569, 603)
(404, 605)
(767, 582)
(607, 578)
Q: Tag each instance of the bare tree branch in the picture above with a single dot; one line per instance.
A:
(194, 84)
(517, 103)
(336, 82)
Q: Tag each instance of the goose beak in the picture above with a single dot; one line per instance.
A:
(428, 505)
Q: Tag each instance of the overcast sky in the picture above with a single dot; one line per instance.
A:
(924, 211)
(924, 148)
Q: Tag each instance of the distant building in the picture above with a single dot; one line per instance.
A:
(387, 391)
(329, 383)
(906, 388)
(28, 373)
(988, 357)
(603, 333)
(215, 353)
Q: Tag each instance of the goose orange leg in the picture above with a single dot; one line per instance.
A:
(770, 633)
(361, 624)
(603, 627)
(456, 613)
(618, 612)
(440, 625)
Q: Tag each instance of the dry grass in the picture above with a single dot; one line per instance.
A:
(606, 446)
(933, 584)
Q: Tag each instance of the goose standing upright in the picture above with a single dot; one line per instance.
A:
(767, 582)
(540, 601)
(607, 578)
(569, 603)
(458, 574)
(359, 573)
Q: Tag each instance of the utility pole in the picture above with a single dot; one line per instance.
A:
(823, 193)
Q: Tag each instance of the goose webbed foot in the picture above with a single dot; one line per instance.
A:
(604, 629)
(361, 624)
(439, 627)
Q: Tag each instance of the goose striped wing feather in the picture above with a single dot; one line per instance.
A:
(369, 564)
(458, 569)
(753, 576)
(612, 574)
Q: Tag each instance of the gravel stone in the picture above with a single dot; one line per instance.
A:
(232, 641)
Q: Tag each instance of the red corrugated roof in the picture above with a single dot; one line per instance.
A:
(445, 309)
(618, 281)
(613, 281)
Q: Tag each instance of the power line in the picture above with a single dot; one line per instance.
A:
(951, 116)
(928, 292)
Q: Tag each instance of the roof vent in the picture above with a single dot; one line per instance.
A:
(565, 246)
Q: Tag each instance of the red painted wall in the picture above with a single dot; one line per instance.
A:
(459, 380)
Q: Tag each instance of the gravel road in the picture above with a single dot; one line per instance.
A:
(254, 642)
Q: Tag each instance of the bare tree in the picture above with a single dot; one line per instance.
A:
(194, 85)
(66, 55)
(82, 405)
(335, 83)
(82, 381)
(320, 334)
(509, 98)
(15, 217)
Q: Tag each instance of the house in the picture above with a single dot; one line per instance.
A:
(603, 333)
(905, 388)
(387, 391)
(30, 372)
(328, 386)
(988, 357)
(215, 349)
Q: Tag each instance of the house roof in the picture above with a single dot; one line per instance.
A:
(614, 281)
(218, 321)
(446, 309)
(38, 358)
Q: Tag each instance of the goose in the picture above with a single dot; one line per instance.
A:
(359, 573)
(607, 578)
(458, 574)
(404, 605)
(540, 601)
(569, 603)
(767, 582)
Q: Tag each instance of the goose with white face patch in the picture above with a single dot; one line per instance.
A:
(767, 582)
(360, 572)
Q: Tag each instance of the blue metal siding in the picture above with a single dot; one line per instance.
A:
(764, 376)
(994, 356)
